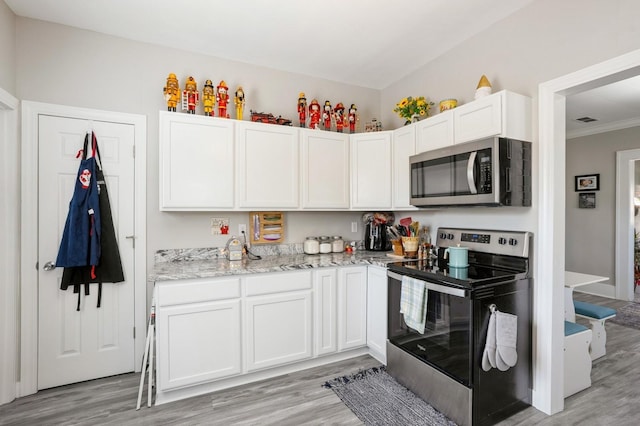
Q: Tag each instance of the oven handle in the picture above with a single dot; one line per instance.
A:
(432, 286)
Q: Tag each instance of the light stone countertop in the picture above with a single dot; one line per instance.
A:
(199, 267)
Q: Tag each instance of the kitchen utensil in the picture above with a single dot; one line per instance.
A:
(458, 256)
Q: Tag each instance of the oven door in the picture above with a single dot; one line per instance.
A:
(446, 343)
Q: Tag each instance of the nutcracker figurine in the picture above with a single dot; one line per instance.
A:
(326, 115)
(239, 101)
(338, 116)
(223, 99)
(314, 114)
(353, 118)
(302, 109)
(190, 96)
(208, 98)
(172, 92)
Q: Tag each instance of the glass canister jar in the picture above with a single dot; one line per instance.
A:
(337, 245)
(325, 245)
(311, 245)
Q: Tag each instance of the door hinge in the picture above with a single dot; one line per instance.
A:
(134, 332)
(134, 151)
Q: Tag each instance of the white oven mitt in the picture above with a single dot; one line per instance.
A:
(506, 338)
(489, 354)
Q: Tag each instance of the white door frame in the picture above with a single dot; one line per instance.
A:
(9, 226)
(625, 191)
(29, 252)
(550, 260)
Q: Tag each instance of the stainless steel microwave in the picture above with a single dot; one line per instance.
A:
(487, 172)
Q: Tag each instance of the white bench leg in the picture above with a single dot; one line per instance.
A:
(599, 339)
(577, 362)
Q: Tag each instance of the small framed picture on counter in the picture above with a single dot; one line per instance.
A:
(587, 200)
(588, 182)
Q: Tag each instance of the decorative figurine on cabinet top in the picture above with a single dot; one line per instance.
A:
(484, 87)
(208, 98)
(302, 109)
(326, 115)
(314, 114)
(223, 99)
(353, 118)
(171, 92)
(239, 101)
(190, 96)
(338, 115)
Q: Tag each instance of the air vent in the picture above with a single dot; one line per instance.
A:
(586, 119)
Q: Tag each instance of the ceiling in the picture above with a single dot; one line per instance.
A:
(357, 42)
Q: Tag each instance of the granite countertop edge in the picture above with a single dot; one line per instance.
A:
(212, 268)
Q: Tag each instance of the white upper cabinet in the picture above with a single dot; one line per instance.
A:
(404, 146)
(434, 132)
(371, 170)
(196, 162)
(325, 169)
(267, 162)
(503, 113)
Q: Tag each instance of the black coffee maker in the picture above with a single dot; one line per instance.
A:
(375, 231)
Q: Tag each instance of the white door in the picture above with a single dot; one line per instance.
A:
(94, 342)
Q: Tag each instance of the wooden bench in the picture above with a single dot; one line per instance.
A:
(596, 315)
(577, 361)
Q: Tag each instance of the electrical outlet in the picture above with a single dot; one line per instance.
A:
(354, 226)
(242, 228)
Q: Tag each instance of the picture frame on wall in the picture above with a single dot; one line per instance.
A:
(587, 200)
(588, 182)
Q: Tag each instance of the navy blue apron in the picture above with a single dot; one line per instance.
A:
(109, 266)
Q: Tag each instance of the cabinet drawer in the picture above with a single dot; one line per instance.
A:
(277, 283)
(198, 290)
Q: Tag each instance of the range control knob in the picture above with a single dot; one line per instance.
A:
(443, 236)
(513, 242)
(502, 241)
(450, 236)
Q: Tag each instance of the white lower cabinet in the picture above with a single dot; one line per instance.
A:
(325, 288)
(278, 329)
(198, 331)
(377, 313)
(221, 332)
(352, 307)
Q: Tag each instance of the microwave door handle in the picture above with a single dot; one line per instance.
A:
(470, 175)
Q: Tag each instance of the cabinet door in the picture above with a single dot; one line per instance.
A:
(371, 170)
(325, 310)
(325, 170)
(198, 343)
(404, 145)
(435, 132)
(479, 119)
(267, 158)
(278, 329)
(352, 307)
(377, 313)
(196, 162)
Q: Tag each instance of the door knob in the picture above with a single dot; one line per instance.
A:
(49, 266)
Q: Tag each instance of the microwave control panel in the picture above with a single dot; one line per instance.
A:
(484, 160)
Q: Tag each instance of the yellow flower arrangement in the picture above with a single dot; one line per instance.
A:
(410, 107)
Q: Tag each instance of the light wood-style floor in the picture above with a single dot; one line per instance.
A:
(299, 399)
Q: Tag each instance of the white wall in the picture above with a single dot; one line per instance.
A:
(62, 65)
(590, 233)
(7, 49)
